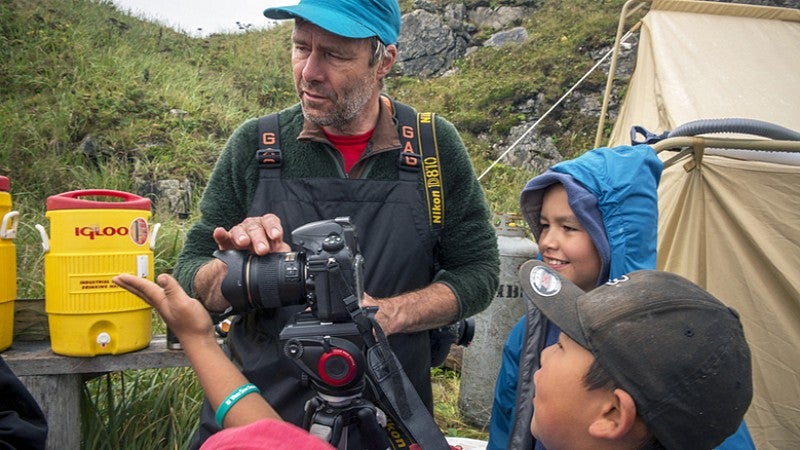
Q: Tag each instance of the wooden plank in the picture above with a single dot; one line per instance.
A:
(55, 381)
(37, 358)
(59, 396)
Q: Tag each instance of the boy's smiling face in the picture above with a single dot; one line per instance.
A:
(564, 244)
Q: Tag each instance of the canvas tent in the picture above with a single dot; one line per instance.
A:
(729, 211)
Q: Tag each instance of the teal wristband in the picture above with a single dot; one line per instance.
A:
(231, 400)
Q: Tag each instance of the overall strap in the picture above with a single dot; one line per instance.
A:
(417, 133)
(269, 146)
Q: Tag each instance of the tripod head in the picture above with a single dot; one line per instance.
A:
(335, 365)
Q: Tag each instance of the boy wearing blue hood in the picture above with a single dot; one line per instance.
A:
(595, 218)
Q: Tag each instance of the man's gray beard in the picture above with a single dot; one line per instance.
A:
(336, 121)
(341, 118)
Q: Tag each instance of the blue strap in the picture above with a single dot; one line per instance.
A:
(649, 138)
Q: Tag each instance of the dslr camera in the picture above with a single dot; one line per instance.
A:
(327, 276)
(323, 274)
(327, 269)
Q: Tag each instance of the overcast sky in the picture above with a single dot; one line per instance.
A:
(202, 17)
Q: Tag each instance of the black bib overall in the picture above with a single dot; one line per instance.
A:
(392, 226)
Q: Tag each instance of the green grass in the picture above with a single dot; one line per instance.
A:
(446, 387)
(136, 409)
(77, 70)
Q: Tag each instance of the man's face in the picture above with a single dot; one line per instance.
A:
(332, 76)
(564, 244)
(563, 407)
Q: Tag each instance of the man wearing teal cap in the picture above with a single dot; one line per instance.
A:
(341, 155)
(347, 18)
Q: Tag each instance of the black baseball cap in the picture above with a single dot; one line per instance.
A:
(678, 351)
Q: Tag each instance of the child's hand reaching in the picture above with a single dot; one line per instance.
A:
(185, 316)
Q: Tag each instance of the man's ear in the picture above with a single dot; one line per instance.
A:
(385, 66)
(617, 418)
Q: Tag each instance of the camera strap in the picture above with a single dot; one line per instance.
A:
(397, 394)
(392, 386)
(417, 132)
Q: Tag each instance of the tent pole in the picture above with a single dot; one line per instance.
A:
(624, 15)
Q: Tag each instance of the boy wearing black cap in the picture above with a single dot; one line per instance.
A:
(649, 360)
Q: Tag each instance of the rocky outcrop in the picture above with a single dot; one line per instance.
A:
(433, 37)
(429, 45)
(435, 34)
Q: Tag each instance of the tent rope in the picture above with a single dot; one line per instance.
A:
(574, 86)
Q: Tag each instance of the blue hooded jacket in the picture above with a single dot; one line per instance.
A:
(613, 193)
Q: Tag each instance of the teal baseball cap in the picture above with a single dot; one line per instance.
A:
(349, 18)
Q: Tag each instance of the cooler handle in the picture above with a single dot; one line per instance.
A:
(153, 235)
(74, 200)
(12, 218)
(45, 239)
(127, 196)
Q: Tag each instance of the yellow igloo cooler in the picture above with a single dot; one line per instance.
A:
(8, 264)
(94, 236)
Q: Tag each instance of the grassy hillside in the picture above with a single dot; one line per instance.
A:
(93, 98)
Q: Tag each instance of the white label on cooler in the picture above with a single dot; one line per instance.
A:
(142, 266)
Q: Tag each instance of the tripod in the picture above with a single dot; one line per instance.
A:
(346, 422)
(333, 359)
(338, 413)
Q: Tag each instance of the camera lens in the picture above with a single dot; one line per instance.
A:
(263, 282)
(465, 332)
(276, 279)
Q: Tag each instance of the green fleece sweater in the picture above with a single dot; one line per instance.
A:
(468, 256)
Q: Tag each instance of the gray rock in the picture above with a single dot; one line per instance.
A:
(513, 36)
(534, 151)
(498, 18)
(427, 46)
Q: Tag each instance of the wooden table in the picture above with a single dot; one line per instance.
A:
(56, 381)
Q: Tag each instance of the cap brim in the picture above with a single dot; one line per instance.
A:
(328, 19)
(555, 296)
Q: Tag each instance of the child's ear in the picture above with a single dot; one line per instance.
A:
(617, 419)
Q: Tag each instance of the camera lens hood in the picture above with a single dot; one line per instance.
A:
(235, 284)
(262, 282)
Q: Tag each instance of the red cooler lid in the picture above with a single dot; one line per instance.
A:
(5, 185)
(73, 200)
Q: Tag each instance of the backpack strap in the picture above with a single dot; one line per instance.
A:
(417, 133)
(269, 146)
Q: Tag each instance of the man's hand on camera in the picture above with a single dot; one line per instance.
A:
(258, 235)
